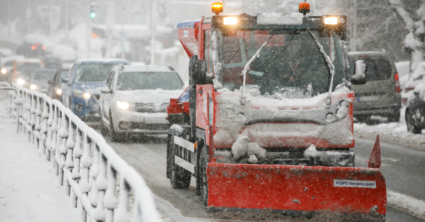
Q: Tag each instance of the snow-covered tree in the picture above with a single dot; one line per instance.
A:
(412, 14)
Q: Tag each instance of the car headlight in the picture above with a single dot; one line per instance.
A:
(82, 94)
(59, 91)
(123, 105)
(33, 86)
(20, 81)
(86, 95)
(3, 71)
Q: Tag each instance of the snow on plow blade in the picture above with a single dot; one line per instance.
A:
(311, 190)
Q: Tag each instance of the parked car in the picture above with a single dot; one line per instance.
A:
(40, 78)
(415, 109)
(417, 77)
(135, 99)
(380, 96)
(55, 90)
(81, 90)
(24, 64)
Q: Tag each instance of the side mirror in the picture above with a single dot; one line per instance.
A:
(197, 70)
(359, 77)
(105, 89)
(65, 80)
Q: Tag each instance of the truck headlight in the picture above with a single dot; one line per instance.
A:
(33, 86)
(20, 81)
(230, 20)
(331, 20)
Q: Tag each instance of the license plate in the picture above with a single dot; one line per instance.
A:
(367, 98)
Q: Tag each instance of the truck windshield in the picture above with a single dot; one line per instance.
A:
(290, 64)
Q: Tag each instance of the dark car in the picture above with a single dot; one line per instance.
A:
(415, 110)
(40, 78)
(55, 90)
(31, 50)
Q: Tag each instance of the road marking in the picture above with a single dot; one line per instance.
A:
(390, 159)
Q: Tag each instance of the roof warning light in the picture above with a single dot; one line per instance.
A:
(304, 8)
(217, 7)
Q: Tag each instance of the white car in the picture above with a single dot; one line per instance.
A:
(135, 100)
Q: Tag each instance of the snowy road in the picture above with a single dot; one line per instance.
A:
(400, 167)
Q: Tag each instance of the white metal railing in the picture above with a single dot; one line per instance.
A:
(107, 188)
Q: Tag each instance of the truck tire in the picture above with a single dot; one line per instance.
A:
(180, 177)
(204, 181)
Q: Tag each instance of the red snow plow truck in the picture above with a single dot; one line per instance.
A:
(266, 124)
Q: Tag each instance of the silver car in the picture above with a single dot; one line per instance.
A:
(380, 96)
(135, 99)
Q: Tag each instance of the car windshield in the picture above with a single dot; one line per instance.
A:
(44, 75)
(26, 65)
(93, 72)
(149, 80)
(290, 64)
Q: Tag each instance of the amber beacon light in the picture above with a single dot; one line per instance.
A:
(217, 7)
(304, 8)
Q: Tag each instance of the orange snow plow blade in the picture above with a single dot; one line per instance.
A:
(297, 188)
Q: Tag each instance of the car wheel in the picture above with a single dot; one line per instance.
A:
(180, 178)
(203, 176)
(410, 122)
(115, 137)
(394, 117)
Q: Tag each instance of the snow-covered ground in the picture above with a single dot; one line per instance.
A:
(393, 133)
(29, 188)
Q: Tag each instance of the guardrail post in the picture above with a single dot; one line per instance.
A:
(121, 213)
(63, 149)
(86, 163)
(18, 103)
(94, 171)
(49, 132)
(37, 127)
(110, 199)
(77, 155)
(70, 144)
(53, 143)
(32, 118)
(101, 185)
(44, 128)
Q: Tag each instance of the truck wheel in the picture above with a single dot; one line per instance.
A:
(203, 176)
(410, 122)
(180, 178)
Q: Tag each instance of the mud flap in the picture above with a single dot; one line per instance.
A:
(297, 188)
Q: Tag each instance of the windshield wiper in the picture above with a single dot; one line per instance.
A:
(328, 62)
(246, 69)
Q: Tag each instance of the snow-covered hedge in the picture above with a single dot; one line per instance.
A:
(93, 174)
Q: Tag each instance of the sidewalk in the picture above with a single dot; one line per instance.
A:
(29, 188)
